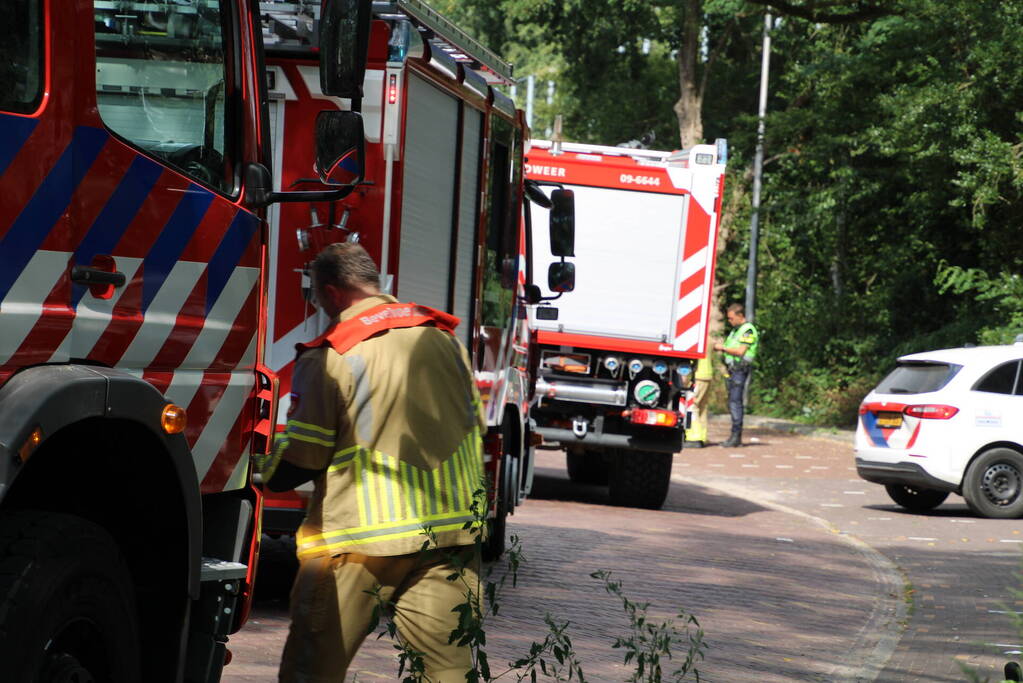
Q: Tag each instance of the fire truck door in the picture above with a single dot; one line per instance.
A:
(439, 201)
(428, 194)
(41, 158)
(468, 218)
(158, 224)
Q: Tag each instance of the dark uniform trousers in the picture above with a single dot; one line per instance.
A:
(738, 376)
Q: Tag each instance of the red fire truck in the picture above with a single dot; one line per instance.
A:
(616, 358)
(134, 156)
(444, 178)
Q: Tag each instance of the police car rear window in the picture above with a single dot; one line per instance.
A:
(917, 378)
(21, 55)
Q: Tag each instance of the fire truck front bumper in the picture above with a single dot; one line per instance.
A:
(658, 439)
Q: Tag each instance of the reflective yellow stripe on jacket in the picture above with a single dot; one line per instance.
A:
(310, 433)
(397, 499)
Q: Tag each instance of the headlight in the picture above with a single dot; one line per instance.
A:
(647, 392)
(660, 367)
(635, 365)
(612, 364)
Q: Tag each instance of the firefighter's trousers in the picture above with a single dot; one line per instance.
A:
(701, 402)
(331, 612)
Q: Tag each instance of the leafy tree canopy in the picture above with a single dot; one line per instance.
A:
(891, 205)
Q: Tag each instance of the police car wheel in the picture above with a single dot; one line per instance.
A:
(993, 485)
(67, 607)
(915, 499)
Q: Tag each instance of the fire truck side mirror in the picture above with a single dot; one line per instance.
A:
(561, 277)
(536, 195)
(339, 164)
(562, 226)
(340, 146)
(344, 43)
(531, 295)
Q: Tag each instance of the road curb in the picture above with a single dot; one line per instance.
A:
(880, 634)
(789, 427)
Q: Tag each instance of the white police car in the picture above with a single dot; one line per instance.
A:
(948, 421)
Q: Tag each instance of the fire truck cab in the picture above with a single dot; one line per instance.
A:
(134, 180)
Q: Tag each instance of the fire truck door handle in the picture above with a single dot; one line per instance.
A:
(87, 275)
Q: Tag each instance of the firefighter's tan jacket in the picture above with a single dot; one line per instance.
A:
(395, 425)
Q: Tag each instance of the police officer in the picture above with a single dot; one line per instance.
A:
(385, 420)
(740, 350)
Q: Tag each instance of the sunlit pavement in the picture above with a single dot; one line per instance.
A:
(792, 565)
(959, 569)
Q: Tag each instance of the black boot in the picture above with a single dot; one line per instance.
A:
(734, 441)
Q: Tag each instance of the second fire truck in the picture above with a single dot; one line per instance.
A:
(441, 211)
(616, 358)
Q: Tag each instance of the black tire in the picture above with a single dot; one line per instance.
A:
(993, 485)
(507, 494)
(586, 467)
(497, 529)
(67, 605)
(915, 499)
(640, 479)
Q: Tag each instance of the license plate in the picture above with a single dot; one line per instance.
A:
(889, 420)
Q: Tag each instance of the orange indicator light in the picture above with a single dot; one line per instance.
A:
(173, 419)
(33, 440)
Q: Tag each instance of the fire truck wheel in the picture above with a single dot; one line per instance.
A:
(67, 606)
(497, 526)
(640, 479)
(587, 467)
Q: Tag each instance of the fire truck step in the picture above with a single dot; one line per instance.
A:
(221, 570)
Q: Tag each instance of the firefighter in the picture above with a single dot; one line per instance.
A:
(696, 435)
(740, 351)
(385, 419)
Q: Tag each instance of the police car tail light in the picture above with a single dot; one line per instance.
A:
(931, 411)
(656, 418)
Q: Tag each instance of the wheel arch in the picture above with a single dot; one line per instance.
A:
(104, 457)
(1012, 445)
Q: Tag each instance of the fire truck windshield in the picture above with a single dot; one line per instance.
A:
(162, 83)
(21, 60)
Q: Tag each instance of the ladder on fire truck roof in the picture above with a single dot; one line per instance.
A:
(293, 24)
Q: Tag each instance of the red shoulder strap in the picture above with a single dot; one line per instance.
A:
(344, 335)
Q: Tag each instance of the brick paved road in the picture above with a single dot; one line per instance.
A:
(780, 596)
(961, 567)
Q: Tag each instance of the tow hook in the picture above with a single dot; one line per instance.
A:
(580, 426)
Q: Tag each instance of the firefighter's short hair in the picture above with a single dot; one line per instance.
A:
(738, 309)
(345, 265)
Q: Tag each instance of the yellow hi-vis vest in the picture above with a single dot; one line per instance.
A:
(394, 423)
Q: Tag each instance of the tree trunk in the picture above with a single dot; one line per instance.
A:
(839, 259)
(689, 106)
